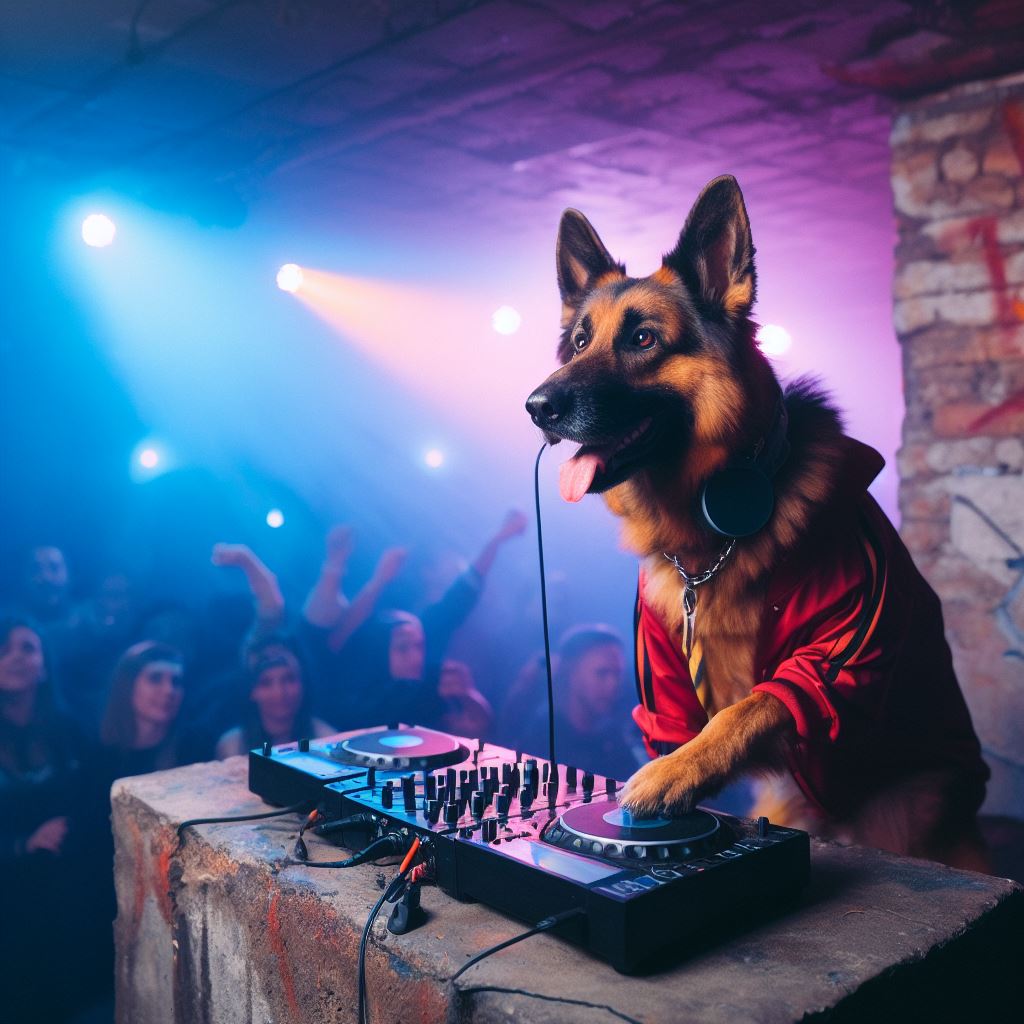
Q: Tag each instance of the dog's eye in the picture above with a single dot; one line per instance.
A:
(644, 338)
(579, 342)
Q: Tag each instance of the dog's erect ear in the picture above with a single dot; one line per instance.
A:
(715, 253)
(581, 259)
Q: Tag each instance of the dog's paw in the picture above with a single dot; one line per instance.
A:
(669, 785)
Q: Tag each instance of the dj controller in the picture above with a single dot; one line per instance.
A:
(531, 841)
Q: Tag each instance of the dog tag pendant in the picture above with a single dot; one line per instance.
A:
(690, 609)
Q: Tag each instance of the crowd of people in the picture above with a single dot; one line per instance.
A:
(94, 691)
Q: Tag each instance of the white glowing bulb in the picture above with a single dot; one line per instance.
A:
(773, 340)
(98, 230)
(506, 320)
(289, 277)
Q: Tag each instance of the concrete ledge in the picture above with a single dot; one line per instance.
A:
(219, 932)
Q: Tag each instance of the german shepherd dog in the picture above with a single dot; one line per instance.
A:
(822, 655)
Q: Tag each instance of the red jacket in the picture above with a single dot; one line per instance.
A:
(852, 643)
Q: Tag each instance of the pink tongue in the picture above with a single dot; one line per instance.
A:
(576, 475)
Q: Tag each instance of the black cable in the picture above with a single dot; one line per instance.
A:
(541, 926)
(363, 818)
(392, 843)
(294, 809)
(547, 637)
(390, 893)
(361, 1018)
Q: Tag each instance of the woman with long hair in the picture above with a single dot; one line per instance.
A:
(593, 726)
(278, 708)
(45, 836)
(140, 727)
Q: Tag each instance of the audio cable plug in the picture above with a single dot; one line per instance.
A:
(407, 914)
(300, 852)
(364, 819)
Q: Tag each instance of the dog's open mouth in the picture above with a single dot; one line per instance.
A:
(595, 468)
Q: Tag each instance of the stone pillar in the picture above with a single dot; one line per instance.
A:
(959, 315)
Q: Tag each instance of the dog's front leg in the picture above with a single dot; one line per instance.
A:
(751, 734)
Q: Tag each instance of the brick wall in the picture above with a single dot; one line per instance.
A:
(959, 315)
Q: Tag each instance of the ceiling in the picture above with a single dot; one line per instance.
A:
(504, 110)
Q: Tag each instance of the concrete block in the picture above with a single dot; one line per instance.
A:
(224, 930)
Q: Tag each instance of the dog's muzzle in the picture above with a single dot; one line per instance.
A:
(549, 406)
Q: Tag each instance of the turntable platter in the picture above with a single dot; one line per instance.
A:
(605, 829)
(415, 747)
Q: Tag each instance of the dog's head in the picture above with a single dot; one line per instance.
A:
(657, 372)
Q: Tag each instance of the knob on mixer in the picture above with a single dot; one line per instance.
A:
(409, 792)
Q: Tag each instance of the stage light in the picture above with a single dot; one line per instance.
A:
(150, 458)
(773, 340)
(289, 277)
(434, 458)
(98, 230)
(506, 320)
(275, 518)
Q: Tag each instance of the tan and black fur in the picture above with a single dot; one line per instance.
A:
(677, 348)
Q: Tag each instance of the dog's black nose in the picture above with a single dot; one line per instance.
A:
(547, 406)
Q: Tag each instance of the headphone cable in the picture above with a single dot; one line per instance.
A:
(553, 769)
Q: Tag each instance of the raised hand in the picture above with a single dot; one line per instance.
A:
(235, 556)
(390, 565)
(339, 547)
(513, 525)
(262, 582)
(49, 836)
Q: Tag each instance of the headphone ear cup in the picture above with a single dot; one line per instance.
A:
(737, 501)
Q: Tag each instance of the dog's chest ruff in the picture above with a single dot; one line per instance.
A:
(715, 636)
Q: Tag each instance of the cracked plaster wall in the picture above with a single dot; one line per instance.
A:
(959, 315)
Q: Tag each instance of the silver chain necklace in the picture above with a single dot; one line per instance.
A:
(690, 585)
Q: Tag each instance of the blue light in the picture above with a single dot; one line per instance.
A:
(275, 519)
(150, 458)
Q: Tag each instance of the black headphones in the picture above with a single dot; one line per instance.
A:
(739, 500)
